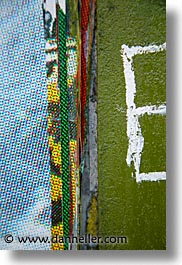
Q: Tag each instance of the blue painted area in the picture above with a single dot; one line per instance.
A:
(24, 153)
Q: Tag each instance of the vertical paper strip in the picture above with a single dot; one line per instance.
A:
(50, 27)
(85, 9)
(73, 83)
(64, 100)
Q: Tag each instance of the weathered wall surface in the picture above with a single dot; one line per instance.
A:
(89, 183)
(127, 207)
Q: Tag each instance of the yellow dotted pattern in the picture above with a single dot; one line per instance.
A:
(73, 148)
(56, 151)
(53, 93)
(57, 231)
(56, 187)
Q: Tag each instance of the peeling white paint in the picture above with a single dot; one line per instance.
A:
(62, 4)
(50, 5)
(134, 132)
(152, 176)
(153, 109)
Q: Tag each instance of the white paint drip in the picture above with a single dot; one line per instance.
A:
(134, 132)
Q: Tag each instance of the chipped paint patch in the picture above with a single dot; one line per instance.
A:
(92, 218)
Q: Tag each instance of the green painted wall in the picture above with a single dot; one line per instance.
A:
(126, 207)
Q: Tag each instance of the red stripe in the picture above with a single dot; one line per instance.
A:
(85, 9)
